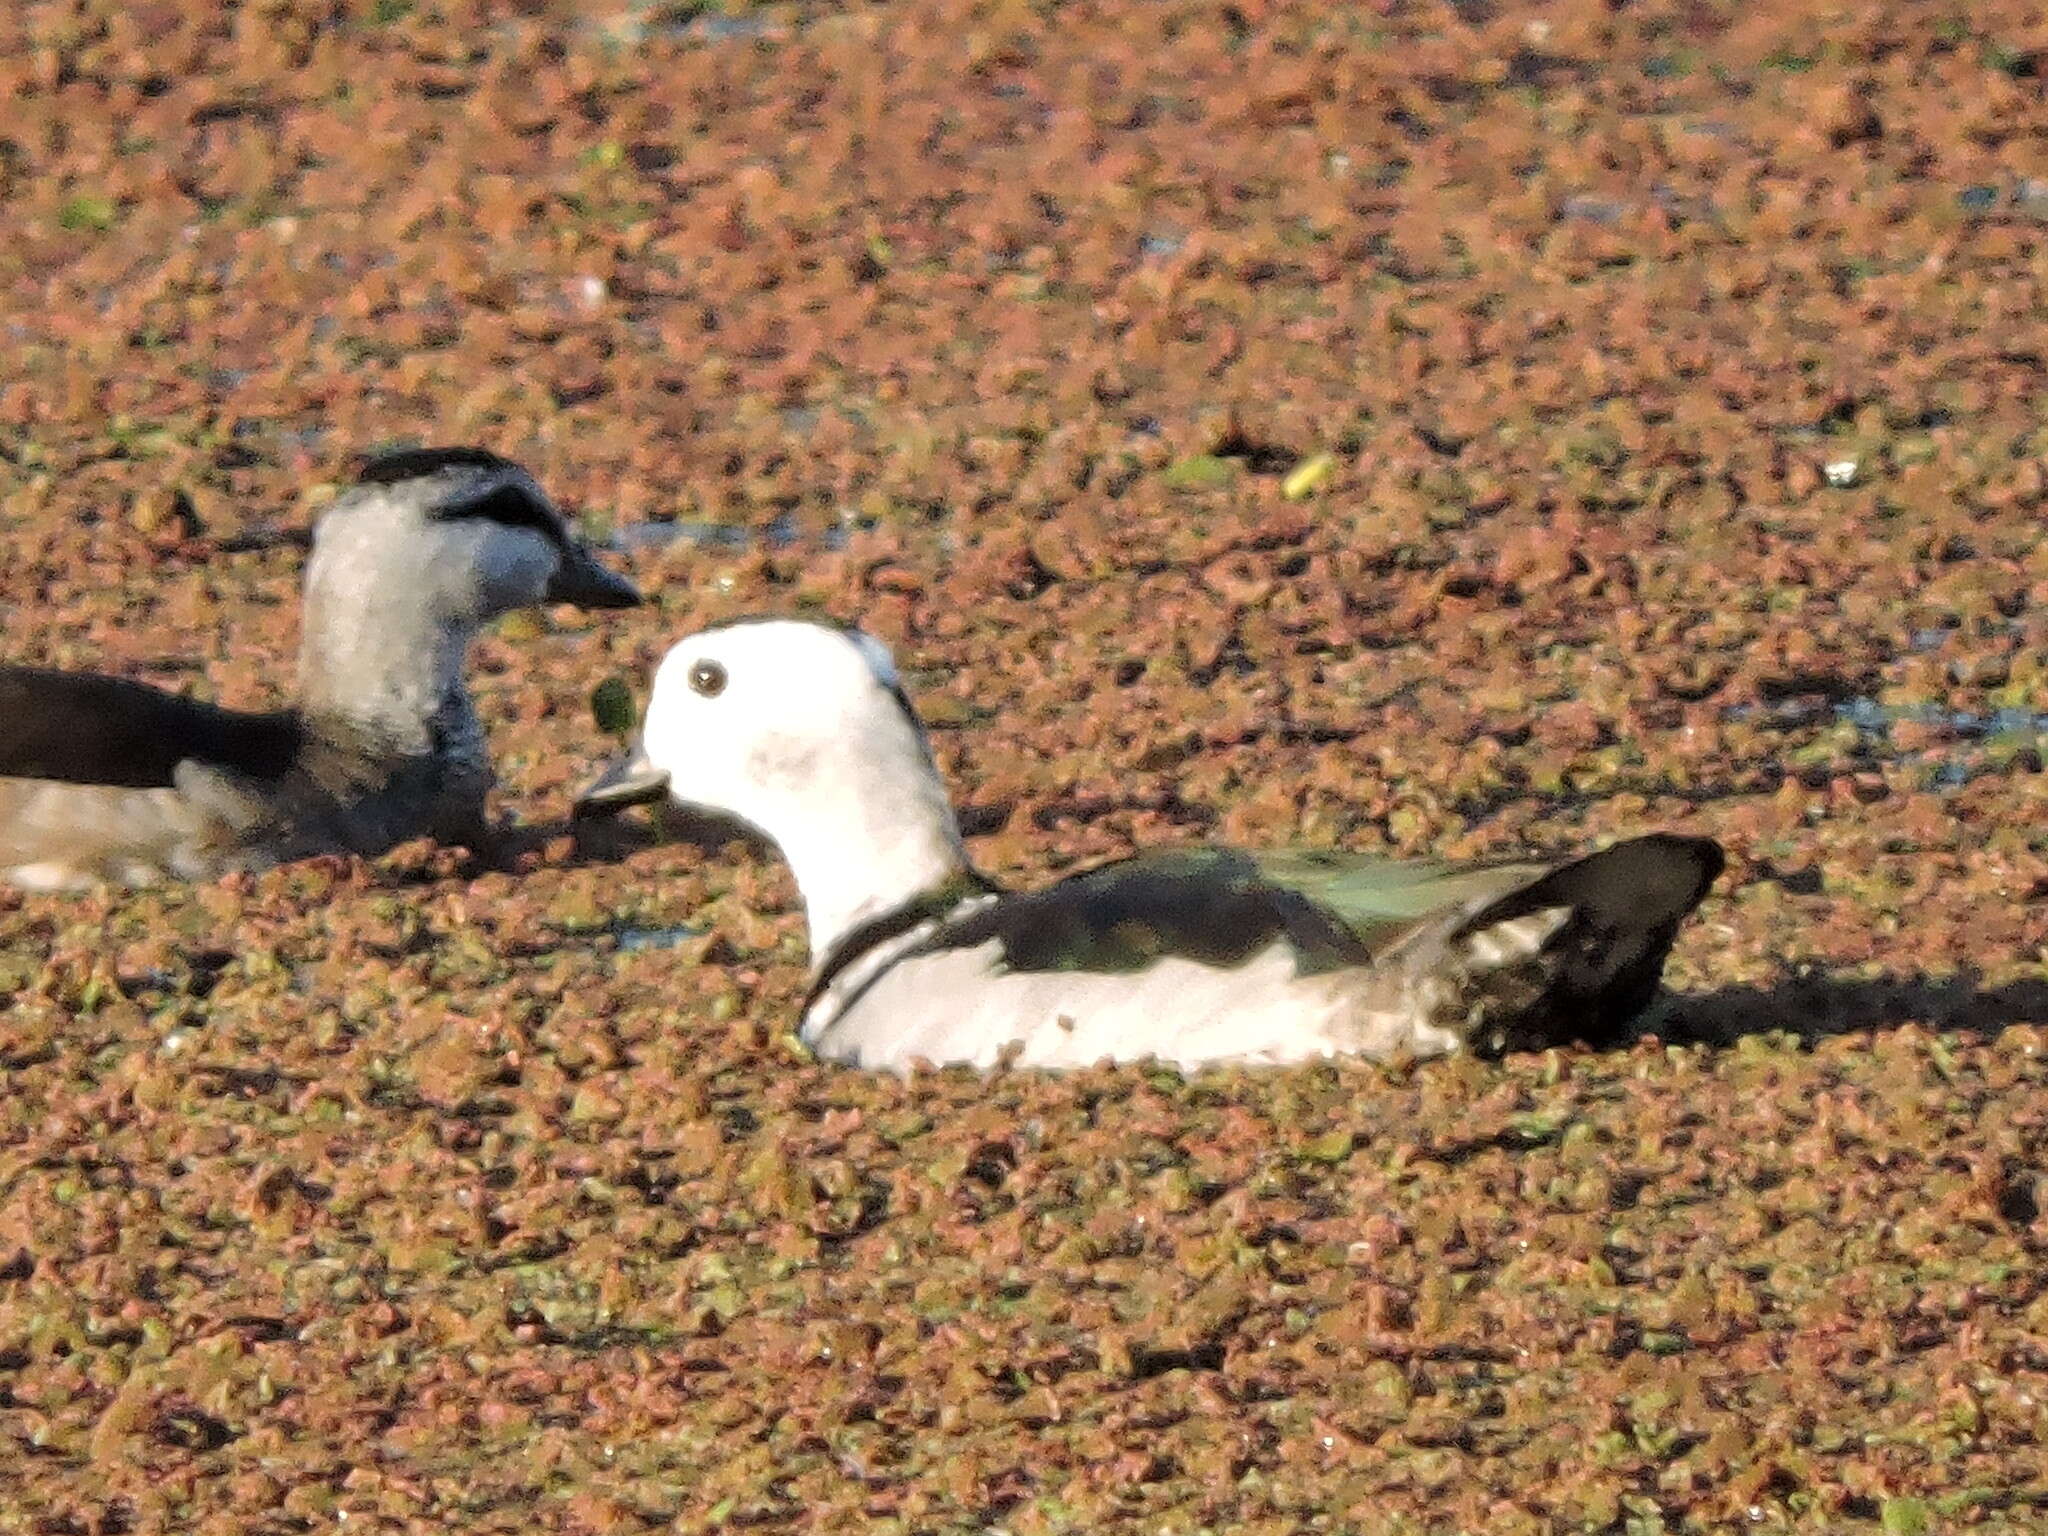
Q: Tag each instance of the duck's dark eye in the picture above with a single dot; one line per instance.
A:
(707, 678)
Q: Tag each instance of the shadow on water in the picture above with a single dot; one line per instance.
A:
(1808, 1006)
(613, 839)
(1818, 1007)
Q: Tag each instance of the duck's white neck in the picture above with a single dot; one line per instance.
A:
(866, 839)
(384, 664)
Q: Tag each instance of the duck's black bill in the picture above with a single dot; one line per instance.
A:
(582, 581)
(632, 780)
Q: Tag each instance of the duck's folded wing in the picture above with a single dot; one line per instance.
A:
(1217, 906)
(1532, 951)
(1637, 887)
(1222, 906)
(80, 728)
(1379, 897)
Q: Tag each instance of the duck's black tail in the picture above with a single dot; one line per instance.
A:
(1599, 927)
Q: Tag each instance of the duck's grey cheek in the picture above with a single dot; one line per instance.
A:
(513, 572)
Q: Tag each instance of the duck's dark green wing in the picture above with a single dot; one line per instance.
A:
(1222, 906)
(1207, 904)
(1647, 882)
(1382, 898)
(1605, 921)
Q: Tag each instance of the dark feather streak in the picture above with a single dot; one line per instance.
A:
(513, 506)
(1209, 905)
(897, 920)
(413, 463)
(81, 728)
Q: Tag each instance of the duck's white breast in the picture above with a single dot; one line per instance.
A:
(960, 1006)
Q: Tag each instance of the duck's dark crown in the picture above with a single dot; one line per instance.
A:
(414, 463)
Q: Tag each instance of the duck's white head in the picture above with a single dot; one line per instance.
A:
(803, 732)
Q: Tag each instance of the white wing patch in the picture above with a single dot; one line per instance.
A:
(1518, 938)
